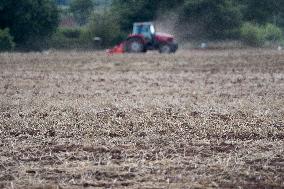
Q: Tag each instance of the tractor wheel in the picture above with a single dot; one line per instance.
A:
(134, 45)
(165, 49)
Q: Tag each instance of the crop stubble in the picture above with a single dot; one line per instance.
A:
(197, 119)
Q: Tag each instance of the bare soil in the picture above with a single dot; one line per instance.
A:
(197, 119)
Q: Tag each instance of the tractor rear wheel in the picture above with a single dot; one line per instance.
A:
(134, 45)
(168, 48)
(165, 48)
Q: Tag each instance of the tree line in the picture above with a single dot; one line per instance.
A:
(34, 24)
(206, 19)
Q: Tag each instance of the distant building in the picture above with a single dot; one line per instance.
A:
(100, 3)
(62, 2)
(68, 22)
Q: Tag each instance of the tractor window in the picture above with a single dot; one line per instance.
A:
(137, 29)
(145, 30)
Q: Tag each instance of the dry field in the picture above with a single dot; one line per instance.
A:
(197, 119)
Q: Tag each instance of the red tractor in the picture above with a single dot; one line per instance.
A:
(144, 38)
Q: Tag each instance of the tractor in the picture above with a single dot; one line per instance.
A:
(143, 38)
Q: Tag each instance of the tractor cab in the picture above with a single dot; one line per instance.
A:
(146, 29)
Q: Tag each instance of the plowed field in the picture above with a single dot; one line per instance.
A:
(197, 119)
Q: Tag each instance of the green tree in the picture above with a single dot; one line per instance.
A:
(130, 11)
(28, 19)
(82, 10)
(264, 11)
(215, 19)
(252, 35)
(104, 26)
(6, 40)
